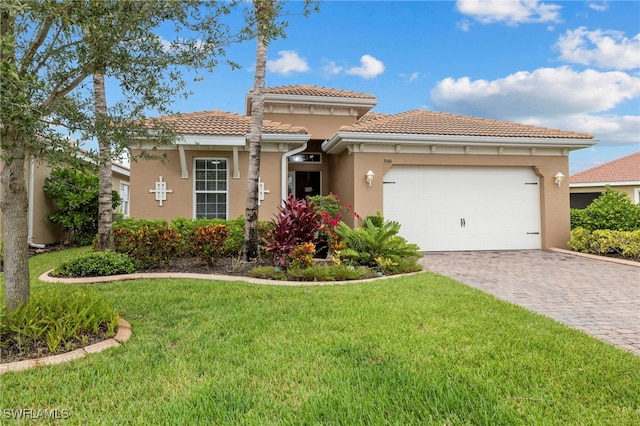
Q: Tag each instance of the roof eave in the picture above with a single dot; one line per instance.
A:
(341, 140)
(604, 183)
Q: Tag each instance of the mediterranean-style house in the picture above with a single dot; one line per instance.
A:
(453, 182)
(42, 232)
(622, 174)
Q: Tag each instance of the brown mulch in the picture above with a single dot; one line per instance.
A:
(194, 265)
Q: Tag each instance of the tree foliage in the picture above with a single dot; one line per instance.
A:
(49, 48)
(75, 194)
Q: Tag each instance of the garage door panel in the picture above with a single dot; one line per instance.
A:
(465, 208)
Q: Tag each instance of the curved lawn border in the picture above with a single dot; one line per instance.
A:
(213, 277)
(597, 257)
(123, 333)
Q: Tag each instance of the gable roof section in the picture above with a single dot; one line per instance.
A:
(220, 123)
(625, 169)
(317, 91)
(313, 100)
(425, 131)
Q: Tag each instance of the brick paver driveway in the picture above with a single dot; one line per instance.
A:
(598, 297)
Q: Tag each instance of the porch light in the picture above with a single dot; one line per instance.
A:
(369, 177)
(558, 178)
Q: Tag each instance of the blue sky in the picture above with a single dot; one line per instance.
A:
(573, 65)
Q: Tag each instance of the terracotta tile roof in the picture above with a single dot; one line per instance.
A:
(422, 122)
(304, 90)
(220, 123)
(625, 169)
(370, 116)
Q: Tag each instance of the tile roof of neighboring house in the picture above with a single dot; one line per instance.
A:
(625, 169)
(422, 122)
(304, 90)
(220, 123)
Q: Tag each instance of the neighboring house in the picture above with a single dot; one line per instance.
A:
(622, 174)
(453, 182)
(41, 231)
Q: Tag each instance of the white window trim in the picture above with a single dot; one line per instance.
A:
(128, 200)
(194, 192)
(636, 195)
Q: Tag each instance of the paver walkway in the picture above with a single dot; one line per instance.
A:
(598, 297)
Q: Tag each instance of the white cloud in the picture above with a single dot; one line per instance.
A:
(331, 68)
(604, 49)
(599, 6)
(555, 97)
(511, 12)
(288, 62)
(609, 129)
(369, 67)
(410, 77)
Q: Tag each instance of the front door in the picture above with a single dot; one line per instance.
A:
(307, 184)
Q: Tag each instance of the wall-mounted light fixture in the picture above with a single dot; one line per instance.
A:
(558, 178)
(369, 175)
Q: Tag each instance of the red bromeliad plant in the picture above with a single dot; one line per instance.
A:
(296, 222)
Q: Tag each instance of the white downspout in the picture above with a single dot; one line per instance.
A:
(32, 170)
(283, 168)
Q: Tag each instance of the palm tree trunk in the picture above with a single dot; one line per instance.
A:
(252, 243)
(105, 209)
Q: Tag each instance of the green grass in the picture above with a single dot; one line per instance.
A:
(409, 350)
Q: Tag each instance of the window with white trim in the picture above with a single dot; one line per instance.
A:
(124, 199)
(211, 188)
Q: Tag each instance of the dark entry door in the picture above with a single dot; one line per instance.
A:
(307, 184)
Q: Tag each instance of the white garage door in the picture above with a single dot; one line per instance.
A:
(465, 208)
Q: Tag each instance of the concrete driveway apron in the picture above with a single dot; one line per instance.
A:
(598, 297)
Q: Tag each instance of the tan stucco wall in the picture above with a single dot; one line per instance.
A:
(180, 203)
(367, 200)
(318, 126)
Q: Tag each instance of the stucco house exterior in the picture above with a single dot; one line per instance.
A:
(453, 182)
(40, 230)
(622, 174)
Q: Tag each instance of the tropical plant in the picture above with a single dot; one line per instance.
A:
(61, 322)
(375, 246)
(296, 222)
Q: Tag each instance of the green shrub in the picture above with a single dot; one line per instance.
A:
(377, 220)
(62, 322)
(234, 244)
(75, 194)
(375, 246)
(613, 209)
(606, 241)
(580, 240)
(96, 264)
(268, 273)
(133, 224)
(323, 272)
(149, 245)
(401, 266)
(208, 242)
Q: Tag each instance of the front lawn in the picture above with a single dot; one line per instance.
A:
(422, 349)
